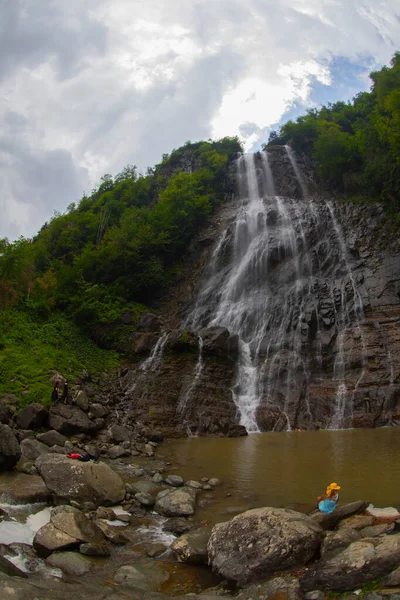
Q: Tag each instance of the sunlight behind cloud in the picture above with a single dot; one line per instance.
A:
(263, 103)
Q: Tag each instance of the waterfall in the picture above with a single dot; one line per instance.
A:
(298, 173)
(339, 367)
(278, 278)
(196, 376)
(153, 362)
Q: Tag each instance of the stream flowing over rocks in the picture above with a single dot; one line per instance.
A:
(287, 315)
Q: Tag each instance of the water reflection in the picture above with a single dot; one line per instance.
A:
(279, 469)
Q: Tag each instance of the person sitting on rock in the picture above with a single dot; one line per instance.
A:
(327, 502)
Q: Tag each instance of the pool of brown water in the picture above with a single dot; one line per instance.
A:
(291, 468)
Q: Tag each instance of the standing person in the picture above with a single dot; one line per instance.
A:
(64, 396)
(54, 394)
(327, 502)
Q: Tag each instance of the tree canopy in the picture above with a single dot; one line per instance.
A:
(121, 244)
(356, 145)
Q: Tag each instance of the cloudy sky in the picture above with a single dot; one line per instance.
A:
(88, 86)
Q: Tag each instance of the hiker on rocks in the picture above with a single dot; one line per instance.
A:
(327, 502)
(54, 394)
(64, 396)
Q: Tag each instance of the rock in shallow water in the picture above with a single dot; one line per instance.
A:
(192, 547)
(262, 541)
(81, 481)
(176, 502)
(71, 563)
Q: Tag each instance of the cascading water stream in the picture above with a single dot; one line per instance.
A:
(196, 376)
(155, 359)
(339, 367)
(273, 281)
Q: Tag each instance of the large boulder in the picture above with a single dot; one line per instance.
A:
(31, 449)
(219, 341)
(179, 502)
(259, 542)
(70, 420)
(72, 521)
(52, 438)
(192, 547)
(50, 539)
(24, 489)
(10, 452)
(33, 416)
(362, 561)
(81, 481)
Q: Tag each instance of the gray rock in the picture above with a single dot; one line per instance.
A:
(94, 549)
(261, 541)
(81, 481)
(338, 539)
(31, 449)
(113, 533)
(74, 523)
(174, 480)
(98, 410)
(7, 567)
(71, 563)
(52, 438)
(194, 484)
(177, 502)
(177, 526)
(377, 530)
(214, 481)
(57, 449)
(70, 420)
(157, 478)
(118, 433)
(103, 512)
(329, 521)
(356, 522)
(50, 539)
(391, 580)
(145, 499)
(192, 547)
(10, 452)
(143, 486)
(33, 416)
(143, 576)
(149, 449)
(25, 489)
(354, 566)
(117, 452)
(81, 400)
(283, 588)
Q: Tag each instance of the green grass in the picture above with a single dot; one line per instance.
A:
(31, 348)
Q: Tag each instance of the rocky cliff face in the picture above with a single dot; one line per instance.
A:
(287, 315)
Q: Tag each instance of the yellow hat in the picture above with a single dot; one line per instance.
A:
(332, 486)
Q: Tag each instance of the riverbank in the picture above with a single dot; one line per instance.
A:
(151, 516)
(154, 541)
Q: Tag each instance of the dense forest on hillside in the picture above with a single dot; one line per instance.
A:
(356, 145)
(113, 251)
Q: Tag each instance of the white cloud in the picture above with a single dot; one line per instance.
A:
(87, 87)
